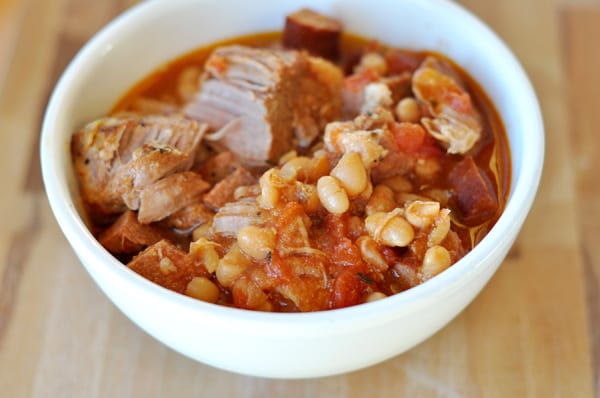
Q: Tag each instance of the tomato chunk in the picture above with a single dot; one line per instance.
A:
(348, 289)
(411, 138)
(357, 82)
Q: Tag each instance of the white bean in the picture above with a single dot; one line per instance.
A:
(421, 213)
(351, 173)
(256, 242)
(390, 229)
(407, 110)
(332, 196)
(202, 289)
(437, 259)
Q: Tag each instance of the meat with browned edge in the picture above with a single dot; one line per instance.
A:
(128, 235)
(116, 158)
(170, 194)
(165, 264)
(263, 101)
(222, 192)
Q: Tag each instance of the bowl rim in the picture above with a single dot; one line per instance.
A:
(520, 199)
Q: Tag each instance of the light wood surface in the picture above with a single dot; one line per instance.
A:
(534, 331)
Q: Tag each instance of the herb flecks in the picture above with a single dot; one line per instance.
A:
(269, 257)
(364, 278)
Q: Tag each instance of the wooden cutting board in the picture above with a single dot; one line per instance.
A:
(532, 332)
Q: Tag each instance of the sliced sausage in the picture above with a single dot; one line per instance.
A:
(314, 32)
(474, 195)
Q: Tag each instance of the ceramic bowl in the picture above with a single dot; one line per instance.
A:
(276, 344)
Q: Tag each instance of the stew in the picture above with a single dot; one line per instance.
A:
(304, 170)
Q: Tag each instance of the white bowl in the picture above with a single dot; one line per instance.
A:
(275, 344)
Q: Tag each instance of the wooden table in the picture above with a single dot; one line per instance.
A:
(534, 331)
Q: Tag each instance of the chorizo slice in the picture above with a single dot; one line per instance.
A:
(314, 32)
(474, 194)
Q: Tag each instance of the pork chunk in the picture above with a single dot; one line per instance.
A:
(223, 191)
(170, 195)
(165, 264)
(128, 236)
(147, 165)
(189, 217)
(234, 216)
(117, 155)
(218, 167)
(256, 100)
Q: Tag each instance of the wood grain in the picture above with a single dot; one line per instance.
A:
(10, 17)
(582, 62)
(533, 332)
